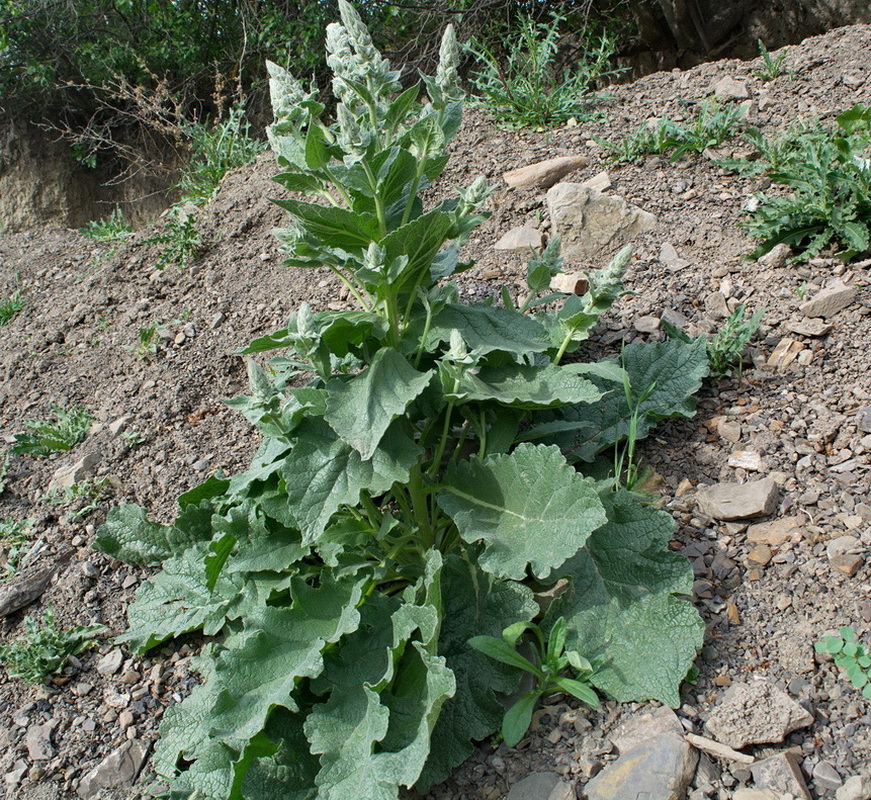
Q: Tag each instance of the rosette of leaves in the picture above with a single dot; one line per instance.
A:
(411, 491)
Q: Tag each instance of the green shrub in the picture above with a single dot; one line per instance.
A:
(415, 482)
(726, 348)
(526, 88)
(771, 68)
(182, 244)
(113, 228)
(10, 307)
(44, 438)
(13, 545)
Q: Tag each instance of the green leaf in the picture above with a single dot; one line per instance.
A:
(360, 409)
(621, 606)
(578, 689)
(419, 241)
(673, 368)
(517, 718)
(340, 227)
(317, 153)
(219, 552)
(500, 650)
(530, 508)
(130, 537)
(300, 182)
(179, 600)
(527, 387)
(847, 633)
(323, 473)
(473, 603)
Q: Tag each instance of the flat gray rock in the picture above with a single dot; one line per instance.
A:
(728, 501)
(638, 729)
(829, 300)
(756, 713)
(661, 767)
(521, 239)
(591, 224)
(544, 173)
(781, 774)
(117, 770)
(541, 786)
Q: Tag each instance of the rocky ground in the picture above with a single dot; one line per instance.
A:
(765, 718)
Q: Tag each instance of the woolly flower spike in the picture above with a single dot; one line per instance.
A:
(285, 91)
(358, 33)
(473, 195)
(447, 75)
(350, 133)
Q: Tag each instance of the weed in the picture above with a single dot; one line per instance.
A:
(530, 89)
(45, 648)
(851, 656)
(44, 438)
(801, 290)
(13, 545)
(183, 241)
(11, 306)
(85, 495)
(771, 67)
(147, 345)
(215, 150)
(113, 228)
(133, 438)
(726, 349)
(4, 470)
(549, 667)
(626, 470)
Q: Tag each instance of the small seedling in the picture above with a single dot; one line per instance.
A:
(89, 491)
(4, 470)
(183, 242)
(10, 307)
(113, 228)
(851, 656)
(552, 662)
(726, 349)
(801, 290)
(147, 345)
(44, 438)
(771, 67)
(45, 648)
(133, 438)
(13, 545)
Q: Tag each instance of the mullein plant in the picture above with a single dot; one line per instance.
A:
(411, 491)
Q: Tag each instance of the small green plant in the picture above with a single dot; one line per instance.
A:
(771, 67)
(86, 496)
(45, 648)
(713, 125)
(113, 228)
(147, 344)
(11, 306)
(215, 150)
(851, 656)
(4, 471)
(13, 545)
(183, 243)
(726, 348)
(829, 173)
(527, 88)
(44, 438)
(801, 290)
(550, 664)
(133, 438)
(627, 473)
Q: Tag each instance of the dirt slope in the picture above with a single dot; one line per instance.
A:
(73, 345)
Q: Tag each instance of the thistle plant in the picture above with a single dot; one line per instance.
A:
(411, 490)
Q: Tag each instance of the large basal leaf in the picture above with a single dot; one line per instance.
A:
(530, 508)
(674, 369)
(178, 600)
(360, 409)
(522, 386)
(486, 329)
(323, 473)
(473, 603)
(340, 227)
(259, 669)
(621, 604)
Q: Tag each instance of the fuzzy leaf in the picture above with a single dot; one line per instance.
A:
(361, 408)
(530, 508)
(340, 227)
(323, 473)
(621, 605)
(674, 368)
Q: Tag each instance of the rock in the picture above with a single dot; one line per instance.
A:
(638, 729)
(746, 459)
(24, 589)
(669, 256)
(38, 741)
(570, 283)
(16, 774)
(829, 300)
(842, 555)
(728, 88)
(784, 354)
(863, 419)
(592, 224)
(110, 663)
(777, 533)
(117, 427)
(647, 324)
(760, 554)
(755, 794)
(730, 431)
(812, 326)
(716, 306)
(781, 773)
(544, 173)
(68, 476)
(854, 788)
(117, 770)
(541, 786)
(660, 767)
(600, 182)
(776, 257)
(826, 777)
(718, 750)
(756, 713)
(728, 501)
(521, 239)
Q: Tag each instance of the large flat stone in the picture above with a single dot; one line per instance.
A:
(727, 501)
(829, 300)
(781, 774)
(541, 786)
(117, 770)
(544, 173)
(522, 239)
(756, 713)
(593, 225)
